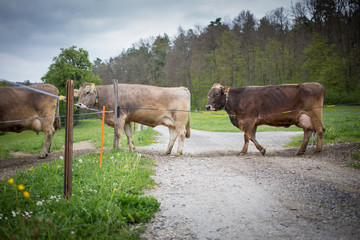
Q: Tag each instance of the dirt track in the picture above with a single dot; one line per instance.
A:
(212, 193)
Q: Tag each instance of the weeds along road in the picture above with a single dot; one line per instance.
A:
(212, 193)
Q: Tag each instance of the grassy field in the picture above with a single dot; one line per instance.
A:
(29, 142)
(342, 124)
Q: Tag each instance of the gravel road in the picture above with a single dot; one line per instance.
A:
(212, 193)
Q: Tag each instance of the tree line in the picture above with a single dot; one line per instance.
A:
(314, 40)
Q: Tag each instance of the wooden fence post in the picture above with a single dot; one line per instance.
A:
(116, 114)
(69, 138)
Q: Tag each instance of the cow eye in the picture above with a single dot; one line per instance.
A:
(217, 94)
(87, 93)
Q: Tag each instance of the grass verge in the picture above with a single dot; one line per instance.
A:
(105, 199)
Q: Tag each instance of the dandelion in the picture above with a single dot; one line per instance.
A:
(31, 169)
(61, 157)
(26, 194)
(39, 203)
(11, 181)
(44, 166)
(21, 187)
(80, 160)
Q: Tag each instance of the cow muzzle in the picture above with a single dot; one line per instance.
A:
(80, 106)
(209, 108)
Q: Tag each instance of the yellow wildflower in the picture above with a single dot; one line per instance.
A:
(11, 181)
(21, 187)
(26, 194)
(31, 169)
(44, 166)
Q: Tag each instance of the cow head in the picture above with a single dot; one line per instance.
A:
(217, 98)
(87, 95)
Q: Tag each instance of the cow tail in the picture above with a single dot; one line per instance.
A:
(57, 122)
(187, 135)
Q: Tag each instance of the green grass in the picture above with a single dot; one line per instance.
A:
(342, 124)
(29, 142)
(219, 122)
(106, 200)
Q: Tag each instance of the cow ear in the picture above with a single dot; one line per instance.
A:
(222, 90)
(76, 92)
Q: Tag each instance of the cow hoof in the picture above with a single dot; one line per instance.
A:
(167, 153)
(178, 154)
(42, 156)
(242, 153)
(300, 153)
(263, 151)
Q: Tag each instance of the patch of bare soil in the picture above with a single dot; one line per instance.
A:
(23, 161)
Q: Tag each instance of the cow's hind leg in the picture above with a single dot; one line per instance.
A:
(128, 132)
(173, 136)
(307, 124)
(320, 130)
(320, 138)
(307, 135)
(121, 125)
(49, 133)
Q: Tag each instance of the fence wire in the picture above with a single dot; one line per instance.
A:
(96, 111)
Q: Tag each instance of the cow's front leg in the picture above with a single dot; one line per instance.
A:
(128, 132)
(246, 144)
(258, 146)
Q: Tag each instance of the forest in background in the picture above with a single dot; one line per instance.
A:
(314, 40)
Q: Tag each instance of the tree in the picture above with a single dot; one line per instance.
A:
(70, 64)
(324, 65)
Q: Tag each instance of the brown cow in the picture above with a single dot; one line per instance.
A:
(279, 105)
(17, 103)
(142, 104)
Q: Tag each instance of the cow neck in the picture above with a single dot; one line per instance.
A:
(227, 89)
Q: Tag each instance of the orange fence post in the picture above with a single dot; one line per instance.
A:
(102, 135)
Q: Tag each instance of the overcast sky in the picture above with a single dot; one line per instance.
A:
(33, 31)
